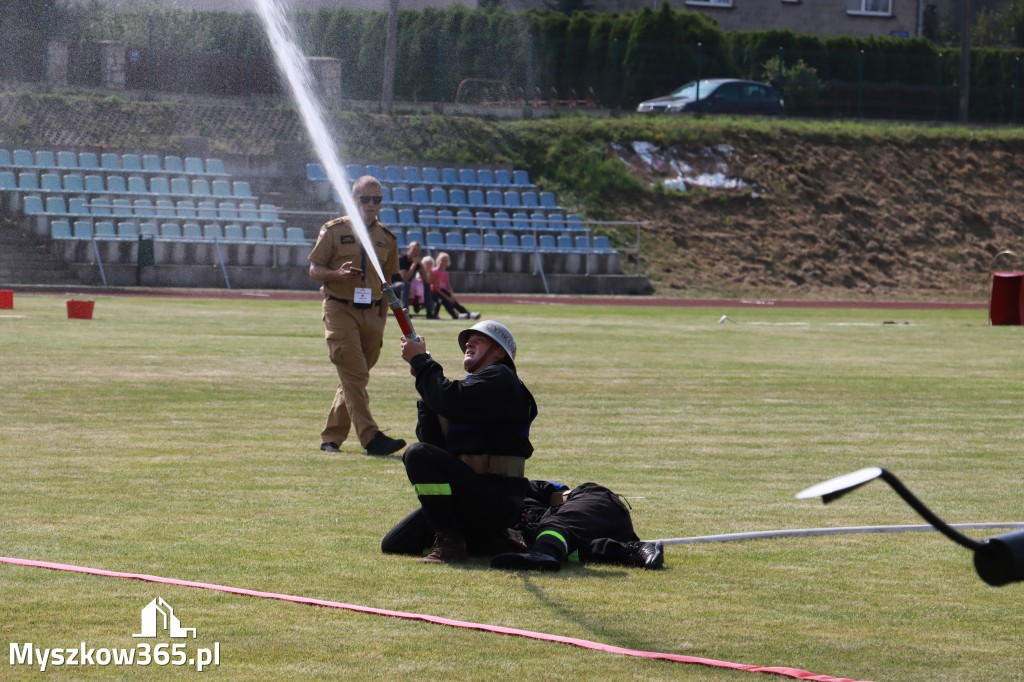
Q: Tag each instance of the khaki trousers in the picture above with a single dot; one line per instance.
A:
(354, 339)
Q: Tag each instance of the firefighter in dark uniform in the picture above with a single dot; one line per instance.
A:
(585, 524)
(354, 314)
(474, 440)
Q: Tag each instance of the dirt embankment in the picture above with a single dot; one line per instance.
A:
(816, 219)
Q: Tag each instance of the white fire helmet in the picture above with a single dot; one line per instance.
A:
(495, 330)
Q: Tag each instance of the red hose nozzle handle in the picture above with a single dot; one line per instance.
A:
(400, 313)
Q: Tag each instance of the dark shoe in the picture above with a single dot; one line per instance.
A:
(527, 561)
(449, 548)
(649, 555)
(330, 447)
(382, 445)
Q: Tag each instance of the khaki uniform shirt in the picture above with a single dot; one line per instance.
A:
(338, 243)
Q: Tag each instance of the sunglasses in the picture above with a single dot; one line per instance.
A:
(366, 200)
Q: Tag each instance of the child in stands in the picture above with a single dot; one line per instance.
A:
(442, 289)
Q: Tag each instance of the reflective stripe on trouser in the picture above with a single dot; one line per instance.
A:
(556, 535)
(432, 489)
(354, 338)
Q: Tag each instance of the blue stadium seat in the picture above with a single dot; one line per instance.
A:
(464, 219)
(388, 216)
(438, 196)
(454, 239)
(45, 159)
(275, 233)
(564, 242)
(165, 209)
(234, 233)
(247, 212)
(5, 158)
(502, 220)
(528, 241)
(23, 158)
(509, 241)
(315, 173)
(187, 210)
(213, 232)
(254, 233)
(110, 162)
(393, 174)
(574, 222)
(268, 214)
(502, 178)
(602, 243)
(116, 184)
(449, 176)
(427, 217)
(435, 239)
(556, 221)
(353, 170)
(475, 197)
(474, 240)
(50, 182)
(137, 185)
(170, 231)
(173, 164)
(520, 221)
(492, 241)
(194, 166)
(149, 228)
(406, 216)
(105, 230)
(294, 234)
(8, 181)
(242, 190)
(419, 195)
(412, 175)
(484, 220)
(220, 188)
(485, 176)
(33, 205)
(28, 181)
(159, 185)
(521, 178)
(206, 210)
(82, 229)
(546, 242)
(431, 176)
(100, 207)
(201, 187)
(88, 161)
(128, 230)
(413, 236)
(495, 198)
(530, 200)
(151, 163)
(67, 160)
(122, 208)
(144, 208)
(547, 200)
(180, 186)
(94, 184)
(467, 176)
(445, 218)
(375, 171)
(215, 167)
(457, 197)
(129, 162)
(192, 232)
(582, 242)
(79, 206)
(60, 229)
(512, 199)
(55, 206)
(400, 195)
(227, 210)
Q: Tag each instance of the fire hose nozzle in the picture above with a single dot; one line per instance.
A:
(401, 314)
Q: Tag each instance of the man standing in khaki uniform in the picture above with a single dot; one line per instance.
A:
(355, 312)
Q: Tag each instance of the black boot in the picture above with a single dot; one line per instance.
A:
(649, 555)
(545, 555)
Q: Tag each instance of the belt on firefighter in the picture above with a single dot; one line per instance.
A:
(361, 306)
(500, 465)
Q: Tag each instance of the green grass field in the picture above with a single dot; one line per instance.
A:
(179, 437)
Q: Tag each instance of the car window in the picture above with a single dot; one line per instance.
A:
(688, 90)
(753, 91)
(728, 91)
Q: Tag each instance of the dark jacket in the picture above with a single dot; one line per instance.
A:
(486, 413)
